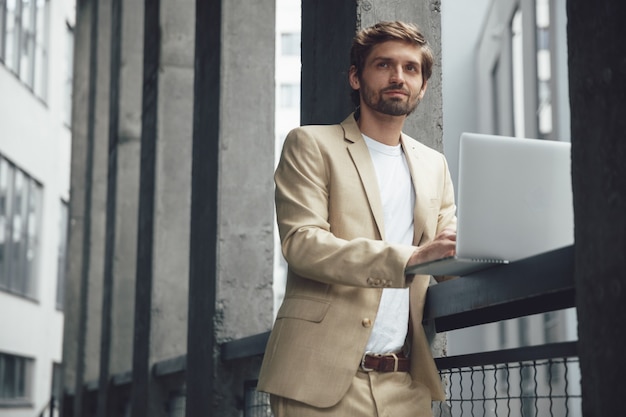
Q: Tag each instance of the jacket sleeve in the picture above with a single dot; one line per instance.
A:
(311, 249)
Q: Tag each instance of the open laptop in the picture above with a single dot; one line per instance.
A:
(514, 201)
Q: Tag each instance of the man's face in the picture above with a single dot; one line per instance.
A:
(391, 81)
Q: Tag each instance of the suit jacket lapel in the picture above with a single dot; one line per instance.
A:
(362, 160)
(420, 182)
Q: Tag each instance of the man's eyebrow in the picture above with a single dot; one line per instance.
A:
(387, 58)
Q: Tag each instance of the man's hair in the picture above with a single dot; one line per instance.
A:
(367, 38)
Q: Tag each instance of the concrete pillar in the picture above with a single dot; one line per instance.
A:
(88, 196)
(170, 259)
(99, 194)
(129, 128)
(245, 204)
(72, 313)
(173, 181)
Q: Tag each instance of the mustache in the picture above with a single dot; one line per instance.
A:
(396, 87)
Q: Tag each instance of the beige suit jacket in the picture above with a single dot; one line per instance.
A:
(330, 221)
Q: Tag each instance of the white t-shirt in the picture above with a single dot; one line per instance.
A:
(398, 200)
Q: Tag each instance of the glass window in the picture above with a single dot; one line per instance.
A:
(20, 218)
(62, 254)
(11, 34)
(6, 179)
(544, 70)
(290, 44)
(40, 46)
(2, 27)
(15, 375)
(69, 74)
(289, 95)
(23, 41)
(517, 53)
(27, 43)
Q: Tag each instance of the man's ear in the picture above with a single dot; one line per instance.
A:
(423, 90)
(353, 78)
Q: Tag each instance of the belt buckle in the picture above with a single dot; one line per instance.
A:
(363, 368)
(395, 362)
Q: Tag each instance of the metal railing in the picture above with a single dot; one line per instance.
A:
(499, 383)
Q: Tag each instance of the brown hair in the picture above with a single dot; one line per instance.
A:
(367, 38)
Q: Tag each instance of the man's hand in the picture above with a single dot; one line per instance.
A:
(442, 246)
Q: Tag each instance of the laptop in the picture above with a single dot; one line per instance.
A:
(514, 201)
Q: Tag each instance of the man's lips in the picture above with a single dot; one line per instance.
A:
(395, 92)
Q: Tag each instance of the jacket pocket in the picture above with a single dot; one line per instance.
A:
(302, 308)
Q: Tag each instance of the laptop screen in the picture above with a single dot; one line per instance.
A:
(514, 197)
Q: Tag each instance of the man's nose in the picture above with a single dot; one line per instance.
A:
(397, 75)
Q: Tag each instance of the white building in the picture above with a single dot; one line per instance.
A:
(35, 82)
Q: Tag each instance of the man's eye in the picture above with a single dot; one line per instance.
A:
(383, 64)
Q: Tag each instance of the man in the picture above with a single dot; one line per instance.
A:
(356, 203)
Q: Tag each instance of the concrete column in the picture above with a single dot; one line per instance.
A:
(129, 128)
(245, 204)
(76, 230)
(173, 181)
(99, 186)
(88, 196)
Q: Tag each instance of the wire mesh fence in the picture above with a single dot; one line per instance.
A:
(546, 388)
(256, 404)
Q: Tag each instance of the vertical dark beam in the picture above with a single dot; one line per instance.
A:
(111, 199)
(597, 79)
(86, 248)
(325, 60)
(204, 193)
(145, 229)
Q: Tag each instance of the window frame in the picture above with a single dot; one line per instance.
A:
(21, 220)
(22, 383)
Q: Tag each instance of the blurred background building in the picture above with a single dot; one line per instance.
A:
(36, 53)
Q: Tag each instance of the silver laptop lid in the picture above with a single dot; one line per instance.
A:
(514, 197)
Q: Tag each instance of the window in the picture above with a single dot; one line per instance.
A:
(69, 74)
(3, 25)
(544, 70)
(20, 217)
(23, 41)
(290, 44)
(15, 378)
(289, 95)
(62, 255)
(517, 51)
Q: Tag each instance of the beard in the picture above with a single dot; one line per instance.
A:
(395, 106)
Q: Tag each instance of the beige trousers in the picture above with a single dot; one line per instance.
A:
(372, 394)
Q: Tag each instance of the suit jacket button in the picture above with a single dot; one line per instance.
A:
(367, 323)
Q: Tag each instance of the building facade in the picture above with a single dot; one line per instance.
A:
(36, 39)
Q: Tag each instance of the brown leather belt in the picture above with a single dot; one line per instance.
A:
(391, 362)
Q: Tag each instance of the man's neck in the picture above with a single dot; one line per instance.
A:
(381, 127)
